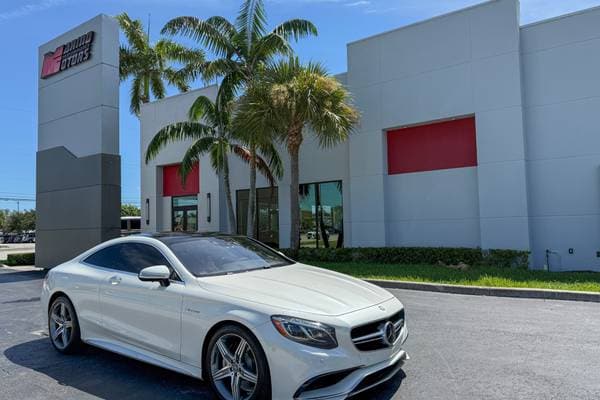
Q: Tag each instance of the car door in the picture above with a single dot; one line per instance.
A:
(143, 314)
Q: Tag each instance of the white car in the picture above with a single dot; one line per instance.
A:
(230, 310)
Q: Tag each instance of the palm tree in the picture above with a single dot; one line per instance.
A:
(149, 65)
(288, 98)
(241, 50)
(209, 126)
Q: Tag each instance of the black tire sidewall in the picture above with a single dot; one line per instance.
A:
(76, 338)
(263, 389)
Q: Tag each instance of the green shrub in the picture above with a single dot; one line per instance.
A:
(415, 255)
(20, 259)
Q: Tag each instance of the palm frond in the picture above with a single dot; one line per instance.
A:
(178, 78)
(296, 29)
(127, 62)
(230, 87)
(203, 108)
(170, 50)
(136, 95)
(174, 133)
(223, 25)
(133, 31)
(208, 35)
(262, 166)
(193, 154)
(157, 86)
(270, 152)
(251, 20)
(218, 68)
(269, 46)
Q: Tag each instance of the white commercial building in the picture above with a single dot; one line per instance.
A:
(475, 131)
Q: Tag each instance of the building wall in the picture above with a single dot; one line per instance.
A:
(154, 116)
(463, 63)
(534, 92)
(561, 75)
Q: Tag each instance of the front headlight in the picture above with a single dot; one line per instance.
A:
(310, 333)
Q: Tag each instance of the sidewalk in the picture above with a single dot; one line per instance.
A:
(546, 294)
(12, 248)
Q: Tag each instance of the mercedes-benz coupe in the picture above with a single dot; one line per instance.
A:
(227, 309)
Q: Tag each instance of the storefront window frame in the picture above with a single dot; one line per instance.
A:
(316, 184)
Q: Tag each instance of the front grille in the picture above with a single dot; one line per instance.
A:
(372, 336)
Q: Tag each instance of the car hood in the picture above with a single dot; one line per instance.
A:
(300, 288)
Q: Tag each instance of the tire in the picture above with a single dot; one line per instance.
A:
(62, 314)
(249, 364)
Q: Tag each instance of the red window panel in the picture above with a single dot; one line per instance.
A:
(172, 185)
(429, 147)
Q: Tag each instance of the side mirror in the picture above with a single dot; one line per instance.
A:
(157, 273)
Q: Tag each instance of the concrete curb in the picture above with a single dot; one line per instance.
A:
(20, 268)
(545, 294)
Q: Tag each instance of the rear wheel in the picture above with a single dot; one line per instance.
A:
(63, 326)
(236, 365)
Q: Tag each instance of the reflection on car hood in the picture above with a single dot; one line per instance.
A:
(301, 288)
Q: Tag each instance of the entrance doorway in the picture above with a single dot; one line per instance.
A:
(184, 214)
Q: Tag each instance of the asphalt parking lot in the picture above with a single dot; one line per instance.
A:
(462, 347)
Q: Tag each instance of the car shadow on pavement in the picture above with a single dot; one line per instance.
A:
(104, 374)
(110, 376)
(7, 276)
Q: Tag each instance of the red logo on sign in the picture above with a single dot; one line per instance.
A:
(51, 64)
(68, 55)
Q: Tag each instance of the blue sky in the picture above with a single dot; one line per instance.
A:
(24, 24)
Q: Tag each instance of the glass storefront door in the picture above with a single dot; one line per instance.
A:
(184, 211)
(321, 214)
(267, 214)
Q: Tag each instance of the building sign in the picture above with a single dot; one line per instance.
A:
(68, 55)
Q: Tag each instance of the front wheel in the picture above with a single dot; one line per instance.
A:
(63, 326)
(236, 365)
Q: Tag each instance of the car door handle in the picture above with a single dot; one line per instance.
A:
(114, 280)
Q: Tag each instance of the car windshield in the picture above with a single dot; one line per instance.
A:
(218, 255)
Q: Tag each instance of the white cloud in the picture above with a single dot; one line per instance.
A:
(358, 3)
(29, 8)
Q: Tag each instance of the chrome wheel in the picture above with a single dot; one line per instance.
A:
(234, 369)
(61, 325)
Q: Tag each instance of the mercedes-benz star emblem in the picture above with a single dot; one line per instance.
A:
(389, 333)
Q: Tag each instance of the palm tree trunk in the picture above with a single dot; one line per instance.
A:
(319, 210)
(294, 142)
(146, 98)
(251, 221)
(232, 226)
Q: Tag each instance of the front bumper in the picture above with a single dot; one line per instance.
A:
(360, 380)
(292, 365)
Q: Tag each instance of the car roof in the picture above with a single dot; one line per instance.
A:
(174, 237)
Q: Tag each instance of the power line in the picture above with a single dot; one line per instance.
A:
(18, 200)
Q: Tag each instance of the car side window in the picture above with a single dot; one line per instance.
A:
(127, 257)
